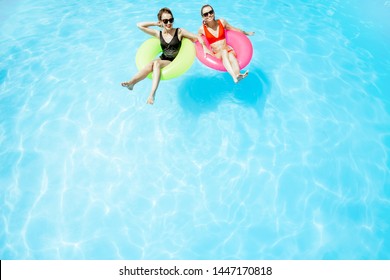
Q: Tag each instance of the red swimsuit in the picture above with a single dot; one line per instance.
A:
(221, 36)
(210, 37)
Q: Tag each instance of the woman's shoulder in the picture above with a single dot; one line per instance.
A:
(179, 31)
(223, 21)
(201, 29)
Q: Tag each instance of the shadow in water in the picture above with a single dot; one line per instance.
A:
(203, 94)
(3, 75)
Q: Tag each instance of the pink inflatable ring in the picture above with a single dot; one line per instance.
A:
(239, 42)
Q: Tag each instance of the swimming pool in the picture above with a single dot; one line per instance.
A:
(291, 163)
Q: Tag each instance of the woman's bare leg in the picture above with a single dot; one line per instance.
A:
(236, 67)
(139, 76)
(157, 65)
(228, 66)
(234, 62)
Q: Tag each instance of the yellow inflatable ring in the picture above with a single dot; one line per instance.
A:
(183, 61)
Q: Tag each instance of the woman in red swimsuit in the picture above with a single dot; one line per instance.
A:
(214, 31)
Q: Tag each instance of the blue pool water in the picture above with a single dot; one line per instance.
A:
(291, 163)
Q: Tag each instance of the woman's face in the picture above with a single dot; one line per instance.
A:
(207, 14)
(167, 20)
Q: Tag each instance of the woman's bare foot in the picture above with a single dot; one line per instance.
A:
(242, 76)
(128, 85)
(150, 100)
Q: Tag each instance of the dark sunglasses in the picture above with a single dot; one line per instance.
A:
(165, 21)
(211, 12)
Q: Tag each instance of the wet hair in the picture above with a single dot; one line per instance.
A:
(204, 6)
(164, 10)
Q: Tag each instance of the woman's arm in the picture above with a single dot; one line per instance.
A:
(201, 41)
(193, 37)
(186, 34)
(230, 27)
(144, 26)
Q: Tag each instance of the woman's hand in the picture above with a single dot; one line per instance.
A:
(206, 51)
(248, 33)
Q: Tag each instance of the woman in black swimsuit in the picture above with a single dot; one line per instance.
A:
(170, 40)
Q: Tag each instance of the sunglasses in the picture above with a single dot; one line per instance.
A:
(165, 21)
(211, 12)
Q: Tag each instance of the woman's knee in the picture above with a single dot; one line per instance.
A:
(149, 66)
(232, 57)
(156, 64)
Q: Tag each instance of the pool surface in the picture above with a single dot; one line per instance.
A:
(293, 162)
